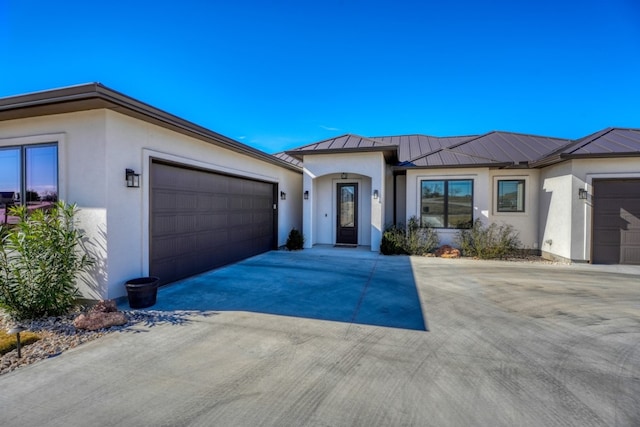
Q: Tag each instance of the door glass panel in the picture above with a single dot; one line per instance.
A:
(41, 176)
(347, 206)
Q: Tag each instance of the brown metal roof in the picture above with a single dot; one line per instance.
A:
(95, 96)
(510, 147)
(415, 146)
(287, 158)
(347, 143)
(451, 158)
(610, 142)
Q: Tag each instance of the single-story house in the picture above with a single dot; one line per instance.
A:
(158, 195)
(571, 200)
(162, 196)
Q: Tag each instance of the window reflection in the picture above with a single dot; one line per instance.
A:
(28, 175)
(447, 203)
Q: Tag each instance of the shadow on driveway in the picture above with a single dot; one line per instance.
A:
(338, 284)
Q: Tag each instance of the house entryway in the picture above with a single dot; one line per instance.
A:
(616, 221)
(347, 215)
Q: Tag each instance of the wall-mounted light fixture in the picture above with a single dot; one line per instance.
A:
(283, 195)
(306, 195)
(375, 194)
(132, 178)
(344, 175)
(582, 194)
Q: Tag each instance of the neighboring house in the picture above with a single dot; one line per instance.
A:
(575, 201)
(202, 200)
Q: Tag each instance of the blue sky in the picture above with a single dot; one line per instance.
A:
(280, 74)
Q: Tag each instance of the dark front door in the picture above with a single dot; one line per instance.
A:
(347, 231)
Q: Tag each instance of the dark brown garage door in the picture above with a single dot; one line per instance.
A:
(202, 220)
(616, 221)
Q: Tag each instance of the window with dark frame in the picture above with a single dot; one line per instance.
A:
(446, 203)
(511, 195)
(28, 176)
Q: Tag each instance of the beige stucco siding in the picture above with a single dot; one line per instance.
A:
(95, 148)
(566, 220)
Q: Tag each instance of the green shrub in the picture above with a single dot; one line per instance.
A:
(488, 242)
(393, 241)
(412, 240)
(39, 262)
(295, 241)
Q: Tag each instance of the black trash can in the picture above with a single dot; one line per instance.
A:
(142, 292)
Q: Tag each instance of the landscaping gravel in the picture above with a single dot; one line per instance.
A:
(58, 334)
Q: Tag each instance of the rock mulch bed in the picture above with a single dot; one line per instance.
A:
(58, 334)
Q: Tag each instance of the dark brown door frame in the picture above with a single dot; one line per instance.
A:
(346, 235)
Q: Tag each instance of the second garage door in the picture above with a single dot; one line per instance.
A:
(201, 220)
(616, 221)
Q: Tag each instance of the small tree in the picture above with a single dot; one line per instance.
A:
(40, 258)
(295, 241)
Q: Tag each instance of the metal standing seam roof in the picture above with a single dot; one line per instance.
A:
(609, 142)
(343, 142)
(493, 149)
(287, 158)
(414, 146)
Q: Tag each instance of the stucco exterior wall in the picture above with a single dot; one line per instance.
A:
(526, 223)
(321, 173)
(81, 169)
(566, 220)
(94, 149)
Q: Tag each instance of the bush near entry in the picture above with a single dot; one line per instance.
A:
(295, 241)
(410, 240)
(488, 242)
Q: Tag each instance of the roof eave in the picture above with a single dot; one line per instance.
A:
(96, 96)
(464, 166)
(390, 152)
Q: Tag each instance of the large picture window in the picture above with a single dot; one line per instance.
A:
(28, 176)
(447, 203)
(511, 195)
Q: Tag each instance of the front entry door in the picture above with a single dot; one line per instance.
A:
(347, 231)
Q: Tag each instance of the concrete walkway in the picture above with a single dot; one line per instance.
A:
(507, 344)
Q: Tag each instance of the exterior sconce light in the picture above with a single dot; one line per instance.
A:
(283, 195)
(344, 175)
(582, 194)
(16, 330)
(375, 194)
(306, 195)
(132, 178)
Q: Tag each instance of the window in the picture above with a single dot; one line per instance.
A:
(511, 195)
(447, 203)
(29, 176)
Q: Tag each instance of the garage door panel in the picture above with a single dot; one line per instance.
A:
(616, 221)
(202, 220)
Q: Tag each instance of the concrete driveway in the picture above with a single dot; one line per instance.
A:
(507, 344)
